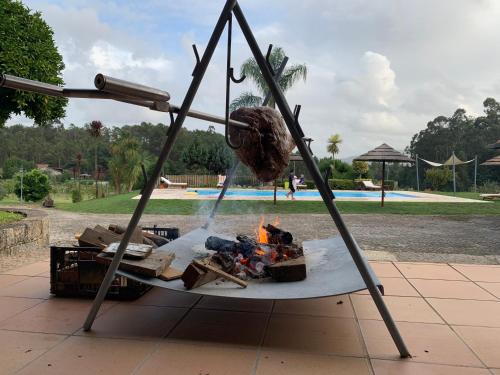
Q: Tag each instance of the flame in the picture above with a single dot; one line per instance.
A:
(261, 233)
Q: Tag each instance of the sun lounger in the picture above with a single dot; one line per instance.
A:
(171, 185)
(368, 185)
(490, 196)
(301, 187)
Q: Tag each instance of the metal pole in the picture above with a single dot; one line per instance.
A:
(475, 173)
(325, 192)
(383, 182)
(416, 165)
(225, 186)
(22, 175)
(172, 134)
(454, 178)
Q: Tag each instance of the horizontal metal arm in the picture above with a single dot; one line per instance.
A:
(24, 84)
(130, 89)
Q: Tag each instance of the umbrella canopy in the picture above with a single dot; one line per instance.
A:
(493, 161)
(495, 145)
(385, 154)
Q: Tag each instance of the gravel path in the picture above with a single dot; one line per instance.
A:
(471, 239)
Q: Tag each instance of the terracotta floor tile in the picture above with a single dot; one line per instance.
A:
(479, 272)
(467, 312)
(288, 363)
(63, 316)
(405, 309)
(11, 306)
(451, 289)
(431, 271)
(403, 367)
(495, 371)
(385, 269)
(166, 297)
(314, 334)
(493, 288)
(33, 269)
(31, 287)
(82, 355)
(135, 322)
(177, 358)
(430, 343)
(235, 304)
(17, 349)
(394, 286)
(485, 342)
(223, 327)
(339, 307)
(6, 280)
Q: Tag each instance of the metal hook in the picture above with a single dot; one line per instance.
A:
(231, 75)
(296, 112)
(268, 55)
(197, 56)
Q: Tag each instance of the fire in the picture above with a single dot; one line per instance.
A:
(261, 232)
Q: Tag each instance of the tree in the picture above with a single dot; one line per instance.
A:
(125, 162)
(95, 130)
(219, 157)
(360, 167)
(333, 146)
(13, 164)
(27, 49)
(250, 69)
(195, 156)
(438, 177)
(36, 186)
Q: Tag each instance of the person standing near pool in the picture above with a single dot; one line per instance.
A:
(292, 184)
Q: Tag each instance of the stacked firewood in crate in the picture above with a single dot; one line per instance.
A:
(140, 256)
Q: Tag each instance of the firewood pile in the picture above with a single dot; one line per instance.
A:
(140, 256)
(272, 254)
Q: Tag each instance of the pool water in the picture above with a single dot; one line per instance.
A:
(304, 194)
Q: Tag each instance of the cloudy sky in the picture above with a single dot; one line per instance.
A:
(378, 71)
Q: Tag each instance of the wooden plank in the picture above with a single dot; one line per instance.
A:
(153, 266)
(289, 270)
(100, 239)
(170, 273)
(137, 236)
(194, 277)
(219, 272)
(133, 250)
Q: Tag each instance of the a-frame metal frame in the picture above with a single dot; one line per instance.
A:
(232, 7)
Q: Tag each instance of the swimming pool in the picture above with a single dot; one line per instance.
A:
(300, 194)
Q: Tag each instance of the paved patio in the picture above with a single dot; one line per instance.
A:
(449, 316)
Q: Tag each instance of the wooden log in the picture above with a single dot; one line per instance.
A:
(288, 270)
(219, 272)
(133, 250)
(227, 246)
(170, 273)
(278, 236)
(158, 240)
(137, 236)
(97, 238)
(153, 266)
(194, 276)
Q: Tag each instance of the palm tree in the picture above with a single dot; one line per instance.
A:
(333, 146)
(95, 130)
(250, 69)
(125, 162)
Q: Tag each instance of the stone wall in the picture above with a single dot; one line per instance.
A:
(30, 232)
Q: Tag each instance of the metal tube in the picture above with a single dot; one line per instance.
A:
(325, 192)
(130, 89)
(475, 173)
(383, 182)
(418, 178)
(208, 117)
(25, 84)
(148, 189)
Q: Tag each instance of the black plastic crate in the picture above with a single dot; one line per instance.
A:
(168, 233)
(75, 273)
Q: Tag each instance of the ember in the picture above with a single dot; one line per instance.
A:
(271, 254)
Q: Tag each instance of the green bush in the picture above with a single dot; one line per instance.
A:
(13, 164)
(310, 184)
(341, 184)
(36, 185)
(76, 196)
(8, 185)
(3, 192)
(437, 177)
(489, 187)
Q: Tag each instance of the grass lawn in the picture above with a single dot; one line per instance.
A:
(9, 217)
(123, 204)
(463, 194)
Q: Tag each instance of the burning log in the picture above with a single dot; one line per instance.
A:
(288, 270)
(278, 236)
(227, 246)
